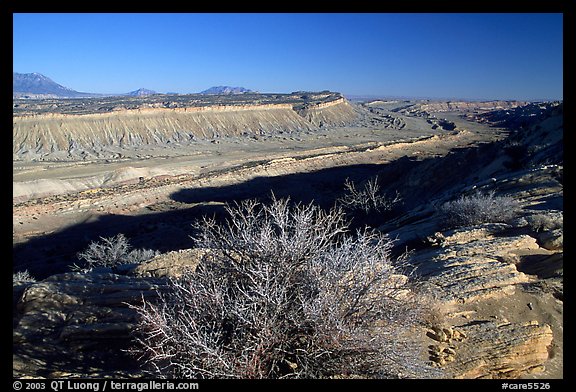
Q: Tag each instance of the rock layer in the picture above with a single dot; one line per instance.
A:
(78, 324)
(468, 268)
(107, 134)
(489, 349)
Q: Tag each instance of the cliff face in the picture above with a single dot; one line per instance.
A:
(337, 112)
(70, 136)
(469, 106)
(97, 133)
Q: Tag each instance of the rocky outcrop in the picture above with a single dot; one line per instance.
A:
(489, 349)
(106, 135)
(504, 350)
(77, 325)
(486, 277)
(469, 266)
(460, 106)
(336, 112)
(500, 283)
(172, 264)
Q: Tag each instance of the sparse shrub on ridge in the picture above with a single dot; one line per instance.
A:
(479, 208)
(285, 292)
(111, 252)
(22, 277)
(368, 198)
(545, 222)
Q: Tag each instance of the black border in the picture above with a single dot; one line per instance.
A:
(321, 6)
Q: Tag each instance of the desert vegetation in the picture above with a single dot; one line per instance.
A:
(286, 292)
(478, 208)
(22, 277)
(369, 198)
(545, 222)
(111, 252)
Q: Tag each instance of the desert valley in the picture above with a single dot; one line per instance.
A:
(148, 167)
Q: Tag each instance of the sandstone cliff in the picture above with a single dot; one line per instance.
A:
(336, 112)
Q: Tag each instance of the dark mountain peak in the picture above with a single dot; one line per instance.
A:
(226, 90)
(141, 92)
(33, 76)
(36, 85)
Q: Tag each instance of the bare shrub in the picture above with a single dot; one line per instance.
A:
(479, 208)
(285, 292)
(546, 221)
(368, 198)
(22, 277)
(111, 252)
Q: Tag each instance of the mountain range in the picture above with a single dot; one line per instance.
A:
(141, 92)
(35, 85)
(226, 90)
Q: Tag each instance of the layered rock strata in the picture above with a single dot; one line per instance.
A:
(56, 135)
(77, 325)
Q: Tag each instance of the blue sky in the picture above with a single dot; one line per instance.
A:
(473, 56)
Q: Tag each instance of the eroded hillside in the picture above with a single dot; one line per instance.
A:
(116, 127)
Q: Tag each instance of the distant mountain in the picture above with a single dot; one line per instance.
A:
(141, 92)
(226, 90)
(35, 85)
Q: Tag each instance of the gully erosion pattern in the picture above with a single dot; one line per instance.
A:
(41, 131)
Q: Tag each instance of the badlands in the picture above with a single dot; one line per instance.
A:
(149, 166)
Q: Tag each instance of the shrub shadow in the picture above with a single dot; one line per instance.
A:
(168, 227)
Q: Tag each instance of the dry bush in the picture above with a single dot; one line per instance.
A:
(545, 221)
(111, 252)
(479, 208)
(368, 198)
(285, 292)
(20, 277)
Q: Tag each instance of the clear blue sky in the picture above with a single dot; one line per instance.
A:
(474, 56)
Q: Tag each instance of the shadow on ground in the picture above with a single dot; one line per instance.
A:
(167, 226)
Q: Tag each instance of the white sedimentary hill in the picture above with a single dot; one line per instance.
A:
(55, 132)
